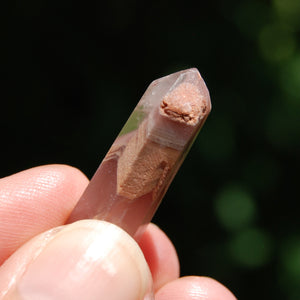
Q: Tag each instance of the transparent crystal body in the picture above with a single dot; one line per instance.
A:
(132, 179)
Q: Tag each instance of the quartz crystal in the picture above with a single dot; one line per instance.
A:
(140, 165)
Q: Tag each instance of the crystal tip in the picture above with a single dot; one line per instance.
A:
(187, 101)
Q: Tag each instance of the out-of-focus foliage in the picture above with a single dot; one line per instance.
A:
(73, 73)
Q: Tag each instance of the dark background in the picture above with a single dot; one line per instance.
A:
(73, 72)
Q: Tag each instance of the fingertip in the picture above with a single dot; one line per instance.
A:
(60, 179)
(160, 255)
(68, 185)
(88, 259)
(36, 200)
(196, 288)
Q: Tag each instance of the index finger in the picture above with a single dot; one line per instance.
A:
(34, 201)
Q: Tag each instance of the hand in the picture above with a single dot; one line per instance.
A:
(88, 259)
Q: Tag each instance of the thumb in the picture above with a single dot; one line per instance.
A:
(88, 259)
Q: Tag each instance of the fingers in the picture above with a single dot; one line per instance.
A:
(163, 262)
(88, 259)
(84, 260)
(41, 198)
(194, 288)
(160, 255)
(36, 200)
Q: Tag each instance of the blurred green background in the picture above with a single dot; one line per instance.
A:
(73, 72)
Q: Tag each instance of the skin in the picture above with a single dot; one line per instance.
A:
(33, 264)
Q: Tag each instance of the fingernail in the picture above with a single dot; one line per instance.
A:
(87, 260)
